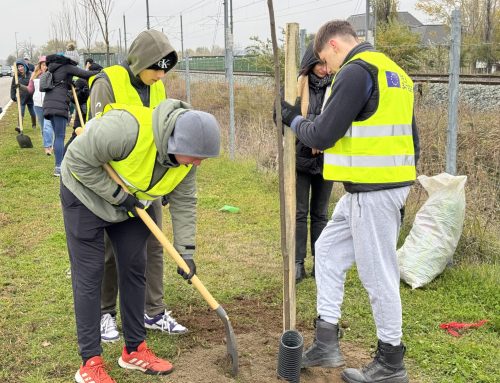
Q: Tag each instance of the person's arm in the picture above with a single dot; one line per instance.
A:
(111, 137)
(350, 92)
(182, 206)
(416, 139)
(101, 94)
(13, 90)
(79, 72)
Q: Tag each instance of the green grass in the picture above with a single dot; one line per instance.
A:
(237, 255)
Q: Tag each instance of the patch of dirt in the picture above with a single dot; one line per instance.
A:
(257, 325)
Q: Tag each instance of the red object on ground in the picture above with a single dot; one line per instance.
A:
(454, 327)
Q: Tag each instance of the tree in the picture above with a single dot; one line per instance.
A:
(385, 10)
(102, 11)
(479, 21)
(11, 59)
(262, 52)
(86, 26)
(400, 44)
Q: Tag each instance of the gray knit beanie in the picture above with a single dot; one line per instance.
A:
(71, 53)
(196, 134)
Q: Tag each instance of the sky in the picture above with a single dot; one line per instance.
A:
(203, 20)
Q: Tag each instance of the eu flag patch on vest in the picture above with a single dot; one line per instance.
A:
(392, 79)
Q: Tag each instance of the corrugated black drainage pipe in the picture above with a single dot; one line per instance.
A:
(290, 356)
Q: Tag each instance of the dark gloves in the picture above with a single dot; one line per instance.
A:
(129, 205)
(192, 269)
(289, 111)
(164, 200)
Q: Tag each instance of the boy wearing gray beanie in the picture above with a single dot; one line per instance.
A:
(155, 153)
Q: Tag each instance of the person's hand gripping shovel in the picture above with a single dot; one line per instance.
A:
(232, 349)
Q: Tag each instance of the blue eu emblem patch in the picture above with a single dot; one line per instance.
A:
(392, 79)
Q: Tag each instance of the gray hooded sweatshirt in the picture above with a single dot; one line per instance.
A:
(148, 48)
(113, 137)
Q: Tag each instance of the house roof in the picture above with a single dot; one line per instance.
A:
(433, 34)
(358, 21)
(429, 34)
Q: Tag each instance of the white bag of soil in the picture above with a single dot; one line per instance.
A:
(434, 236)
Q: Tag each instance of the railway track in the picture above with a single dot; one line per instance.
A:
(473, 79)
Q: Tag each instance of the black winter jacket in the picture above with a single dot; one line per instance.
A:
(305, 161)
(26, 97)
(56, 101)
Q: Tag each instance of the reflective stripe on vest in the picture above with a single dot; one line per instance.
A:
(136, 170)
(125, 93)
(379, 149)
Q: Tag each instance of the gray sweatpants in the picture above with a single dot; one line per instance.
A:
(364, 229)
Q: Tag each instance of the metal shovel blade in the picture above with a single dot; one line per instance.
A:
(232, 348)
(24, 141)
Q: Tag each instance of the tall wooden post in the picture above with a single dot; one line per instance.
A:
(291, 51)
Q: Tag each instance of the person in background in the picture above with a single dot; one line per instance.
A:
(312, 190)
(23, 75)
(369, 136)
(137, 82)
(165, 146)
(88, 62)
(31, 67)
(34, 88)
(56, 101)
(82, 94)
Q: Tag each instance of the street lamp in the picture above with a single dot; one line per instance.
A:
(17, 52)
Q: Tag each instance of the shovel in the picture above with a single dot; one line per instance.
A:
(24, 141)
(232, 348)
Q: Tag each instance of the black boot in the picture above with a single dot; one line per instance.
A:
(300, 272)
(387, 367)
(325, 351)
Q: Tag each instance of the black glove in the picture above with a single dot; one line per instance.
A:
(164, 200)
(192, 269)
(130, 204)
(289, 111)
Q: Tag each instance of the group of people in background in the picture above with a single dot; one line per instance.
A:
(52, 108)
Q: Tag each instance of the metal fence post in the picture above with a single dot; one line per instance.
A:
(453, 93)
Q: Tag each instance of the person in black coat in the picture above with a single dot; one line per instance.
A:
(26, 98)
(56, 101)
(82, 93)
(312, 191)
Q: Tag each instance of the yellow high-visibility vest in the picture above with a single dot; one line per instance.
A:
(136, 170)
(125, 93)
(379, 149)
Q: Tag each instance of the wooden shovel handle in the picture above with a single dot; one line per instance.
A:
(18, 97)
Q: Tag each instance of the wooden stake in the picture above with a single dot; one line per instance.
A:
(286, 163)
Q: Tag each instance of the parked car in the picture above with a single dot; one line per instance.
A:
(6, 71)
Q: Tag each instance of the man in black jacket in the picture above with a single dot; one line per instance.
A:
(368, 132)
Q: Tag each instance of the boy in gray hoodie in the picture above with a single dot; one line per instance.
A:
(137, 81)
(154, 153)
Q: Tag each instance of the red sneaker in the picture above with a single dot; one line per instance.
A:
(93, 372)
(145, 360)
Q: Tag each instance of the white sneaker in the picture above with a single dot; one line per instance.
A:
(164, 322)
(109, 331)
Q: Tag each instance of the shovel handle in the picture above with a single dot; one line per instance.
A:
(18, 98)
(165, 242)
(214, 305)
(77, 105)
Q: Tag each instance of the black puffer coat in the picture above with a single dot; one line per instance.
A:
(306, 162)
(56, 101)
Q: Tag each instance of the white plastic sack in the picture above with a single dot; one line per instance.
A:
(438, 225)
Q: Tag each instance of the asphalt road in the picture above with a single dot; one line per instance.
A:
(5, 90)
